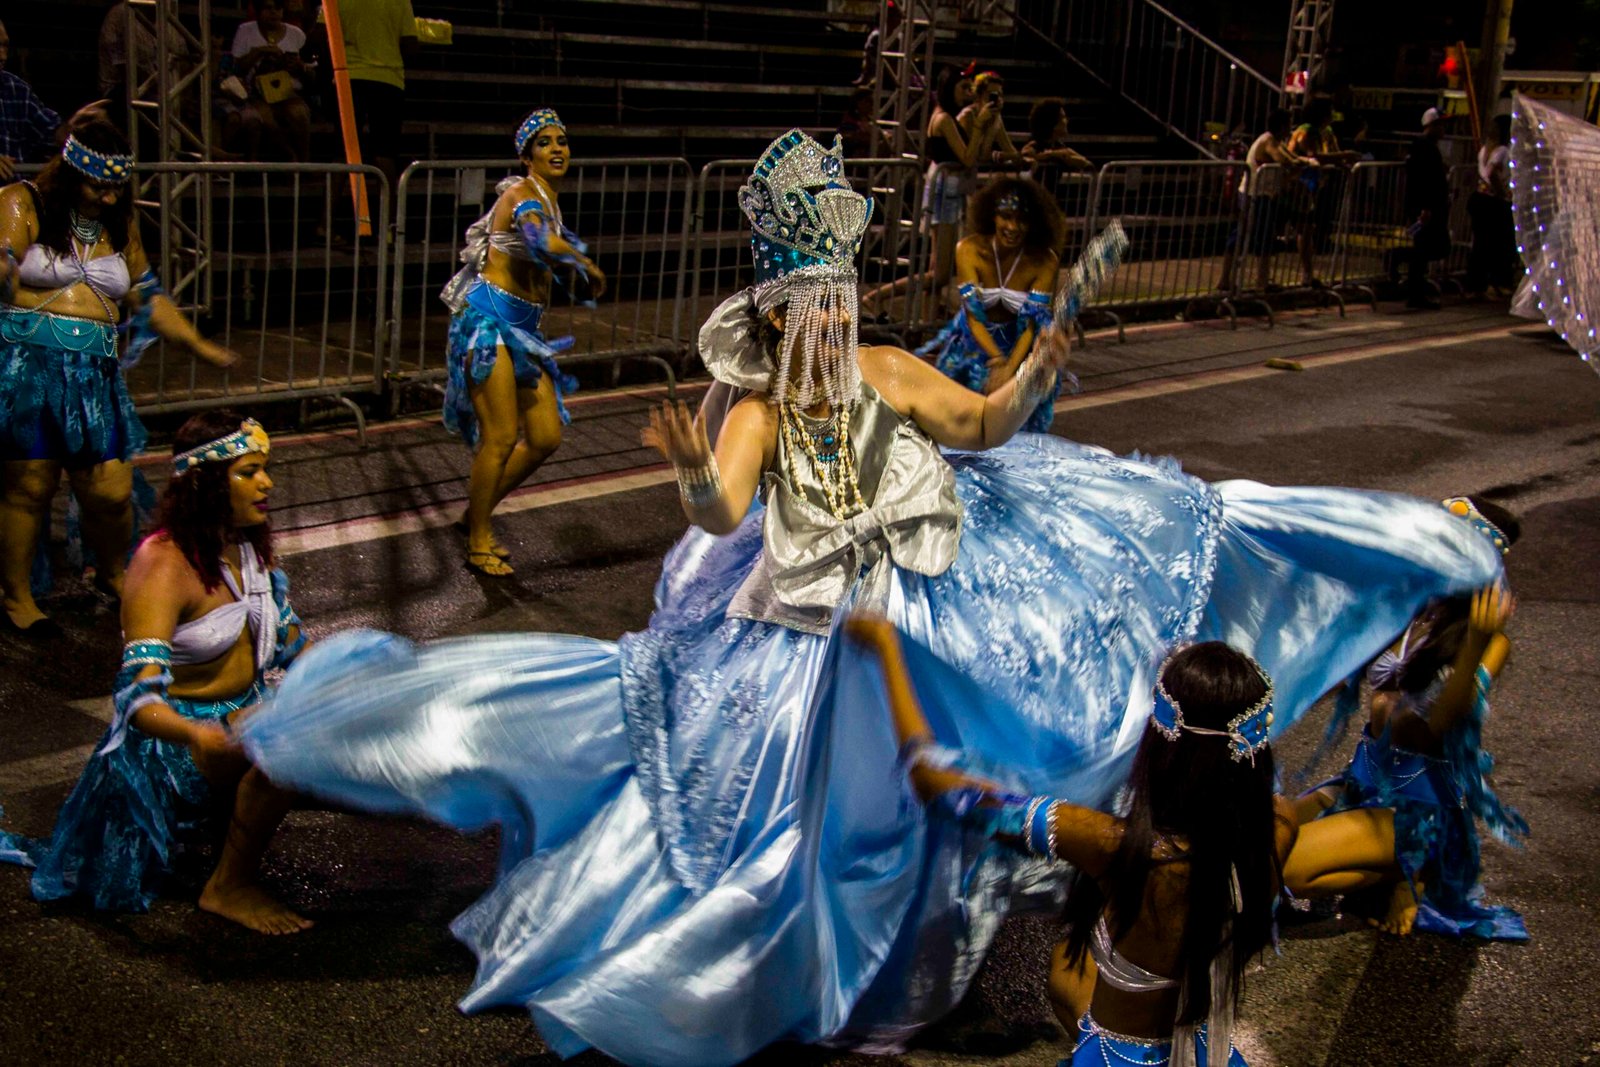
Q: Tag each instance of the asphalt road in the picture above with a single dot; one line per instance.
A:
(1483, 405)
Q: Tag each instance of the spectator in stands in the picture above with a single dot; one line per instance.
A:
(1494, 244)
(869, 49)
(985, 113)
(113, 48)
(856, 127)
(1006, 269)
(27, 128)
(1427, 209)
(958, 137)
(1262, 202)
(1046, 151)
(1315, 141)
(379, 36)
(266, 58)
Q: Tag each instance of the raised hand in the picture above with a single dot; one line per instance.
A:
(1492, 608)
(679, 436)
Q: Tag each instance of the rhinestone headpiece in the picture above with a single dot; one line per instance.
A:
(1246, 732)
(1463, 508)
(99, 166)
(1011, 203)
(801, 210)
(534, 123)
(249, 437)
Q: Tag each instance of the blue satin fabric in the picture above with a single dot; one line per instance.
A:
(490, 319)
(707, 845)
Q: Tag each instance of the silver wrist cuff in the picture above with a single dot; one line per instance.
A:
(700, 487)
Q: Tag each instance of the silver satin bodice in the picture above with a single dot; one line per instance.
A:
(811, 560)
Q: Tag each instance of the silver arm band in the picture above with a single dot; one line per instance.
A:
(1035, 381)
(700, 487)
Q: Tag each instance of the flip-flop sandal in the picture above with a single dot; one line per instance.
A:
(489, 564)
(460, 527)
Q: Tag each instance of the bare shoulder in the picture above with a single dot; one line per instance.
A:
(753, 412)
(16, 197)
(159, 563)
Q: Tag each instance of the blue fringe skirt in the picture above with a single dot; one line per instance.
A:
(62, 394)
(121, 826)
(492, 317)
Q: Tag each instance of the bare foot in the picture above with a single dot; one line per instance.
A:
(1402, 913)
(250, 906)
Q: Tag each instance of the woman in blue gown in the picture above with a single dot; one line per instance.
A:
(701, 852)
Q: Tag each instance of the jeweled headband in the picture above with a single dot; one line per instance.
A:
(1463, 508)
(100, 166)
(534, 123)
(1011, 202)
(1246, 732)
(249, 437)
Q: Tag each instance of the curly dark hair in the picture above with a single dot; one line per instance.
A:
(196, 510)
(57, 189)
(1047, 226)
(1217, 810)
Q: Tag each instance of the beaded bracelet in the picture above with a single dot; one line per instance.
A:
(700, 487)
(1035, 382)
(1042, 826)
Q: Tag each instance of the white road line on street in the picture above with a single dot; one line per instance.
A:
(378, 527)
(1208, 379)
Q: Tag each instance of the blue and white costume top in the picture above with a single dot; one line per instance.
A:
(958, 355)
(132, 809)
(487, 317)
(61, 397)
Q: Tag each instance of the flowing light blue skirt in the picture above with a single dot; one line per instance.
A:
(707, 845)
(492, 319)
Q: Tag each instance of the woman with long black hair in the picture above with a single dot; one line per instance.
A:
(1172, 901)
(204, 617)
(63, 402)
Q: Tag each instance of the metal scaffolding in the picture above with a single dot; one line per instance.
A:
(168, 91)
(1305, 53)
(902, 91)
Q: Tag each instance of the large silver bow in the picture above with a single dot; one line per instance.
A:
(813, 558)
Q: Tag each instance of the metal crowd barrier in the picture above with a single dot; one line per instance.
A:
(891, 252)
(315, 311)
(286, 282)
(1372, 239)
(634, 215)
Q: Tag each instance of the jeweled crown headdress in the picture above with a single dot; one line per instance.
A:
(1246, 732)
(249, 437)
(806, 227)
(100, 166)
(534, 123)
(1463, 508)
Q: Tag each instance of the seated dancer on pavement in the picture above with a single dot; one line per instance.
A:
(505, 390)
(204, 617)
(1185, 883)
(63, 401)
(707, 796)
(1401, 819)
(1006, 273)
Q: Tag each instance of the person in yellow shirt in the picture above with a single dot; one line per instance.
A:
(379, 36)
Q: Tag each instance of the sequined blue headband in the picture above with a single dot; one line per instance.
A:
(534, 123)
(249, 437)
(1463, 508)
(1010, 202)
(1246, 732)
(99, 166)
